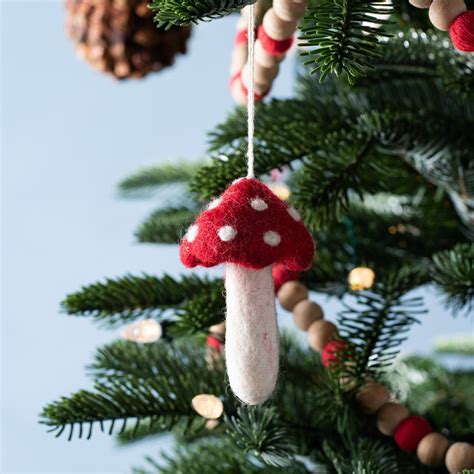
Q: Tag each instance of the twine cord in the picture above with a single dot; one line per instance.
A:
(251, 94)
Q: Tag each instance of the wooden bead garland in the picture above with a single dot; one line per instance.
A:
(452, 16)
(274, 38)
(411, 433)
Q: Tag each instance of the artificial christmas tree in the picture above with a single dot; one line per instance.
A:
(118, 37)
(381, 171)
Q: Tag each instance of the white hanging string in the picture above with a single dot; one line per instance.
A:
(250, 88)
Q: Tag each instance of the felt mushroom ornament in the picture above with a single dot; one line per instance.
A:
(249, 229)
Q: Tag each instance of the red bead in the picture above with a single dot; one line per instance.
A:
(462, 31)
(238, 77)
(329, 355)
(214, 343)
(242, 37)
(282, 274)
(272, 46)
(410, 432)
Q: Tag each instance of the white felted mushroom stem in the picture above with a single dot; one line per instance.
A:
(252, 345)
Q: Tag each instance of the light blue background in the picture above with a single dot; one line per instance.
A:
(68, 135)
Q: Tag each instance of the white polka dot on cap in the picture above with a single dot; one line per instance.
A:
(192, 233)
(294, 213)
(213, 204)
(258, 204)
(226, 233)
(272, 238)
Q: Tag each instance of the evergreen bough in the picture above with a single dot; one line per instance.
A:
(382, 173)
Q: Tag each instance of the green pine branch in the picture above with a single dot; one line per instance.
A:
(344, 36)
(444, 396)
(136, 382)
(259, 431)
(361, 456)
(377, 324)
(420, 58)
(165, 226)
(145, 182)
(339, 158)
(129, 298)
(453, 272)
(199, 311)
(183, 12)
(214, 456)
(310, 401)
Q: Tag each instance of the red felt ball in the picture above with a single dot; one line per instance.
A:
(214, 343)
(410, 432)
(272, 46)
(462, 31)
(282, 274)
(331, 353)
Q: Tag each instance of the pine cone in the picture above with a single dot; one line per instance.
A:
(119, 37)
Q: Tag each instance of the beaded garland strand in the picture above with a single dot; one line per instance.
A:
(453, 16)
(274, 37)
(411, 433)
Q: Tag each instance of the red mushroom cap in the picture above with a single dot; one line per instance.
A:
(250, 226)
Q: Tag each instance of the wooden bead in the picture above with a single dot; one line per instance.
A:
(242, 23)
(260, 10)
(372, 397)
(263, 58)
(443, 12)
(320, 334)
(277, 28)
(218, 328)
(239, 58)
(260, 88)
(389, 417)
(421, 3)
(432, 449)
(290, 10)
(460, 456)
(291, 293)
(263, 77)
(214, 360)
(306, 313)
